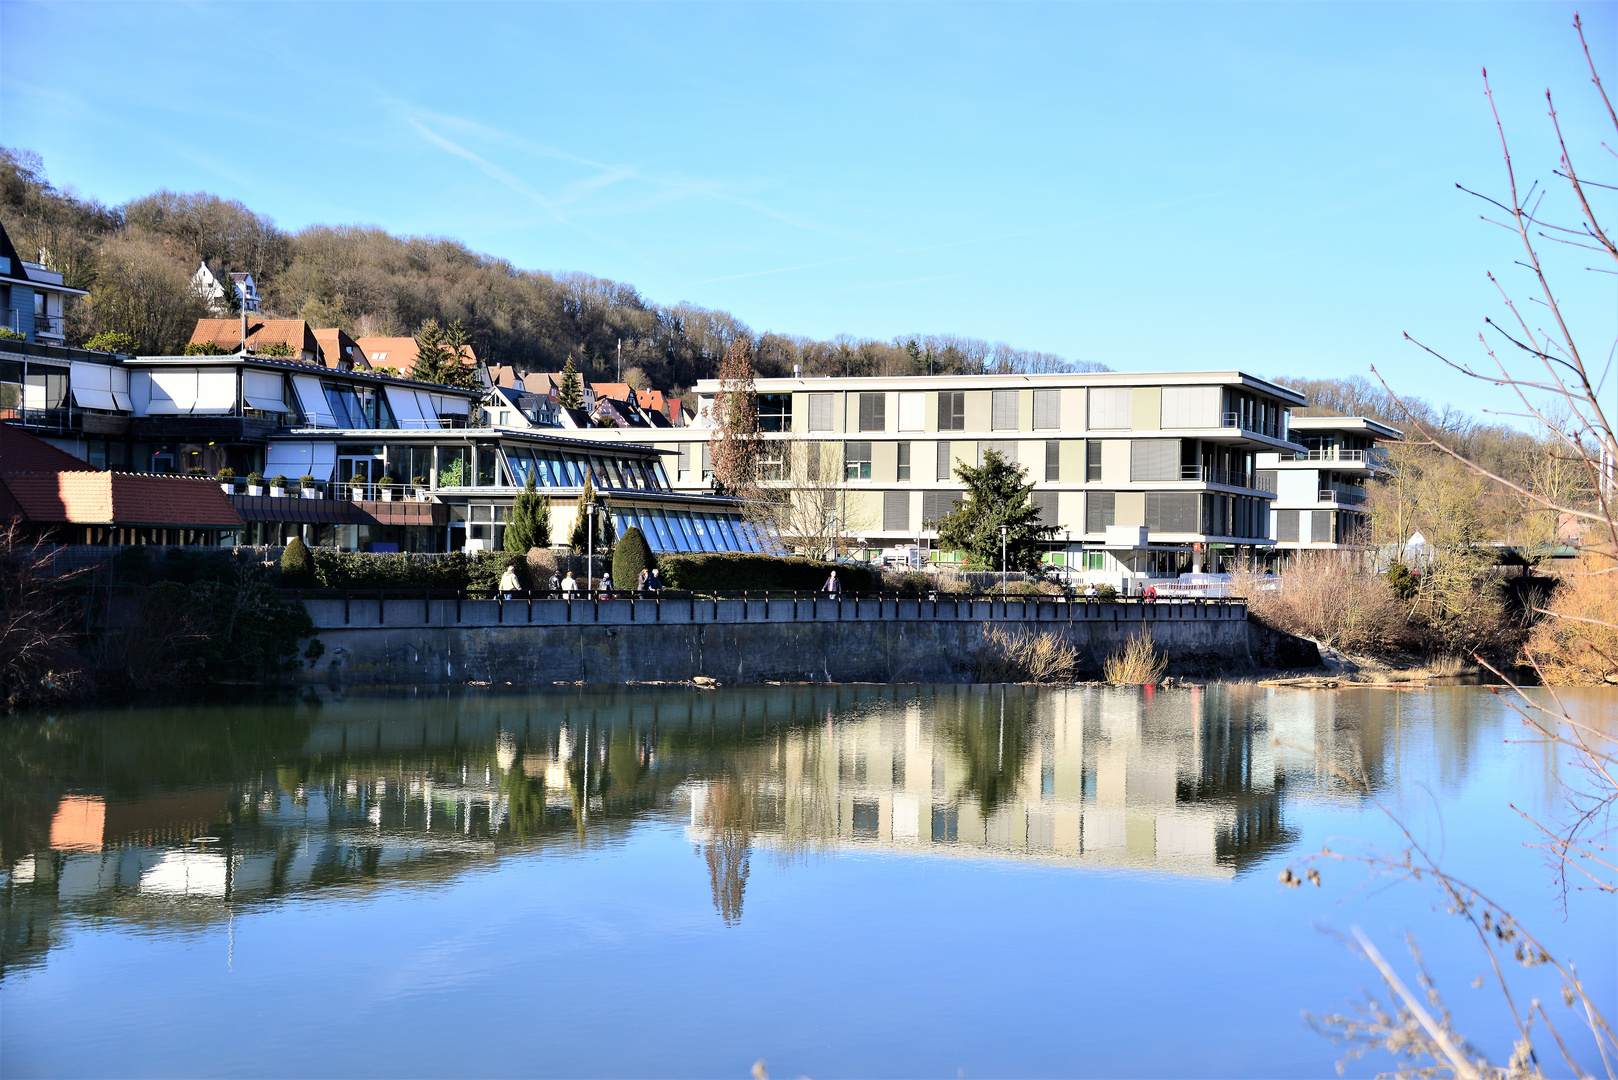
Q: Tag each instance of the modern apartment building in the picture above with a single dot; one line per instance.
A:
(1320, 486)
(1145, 475)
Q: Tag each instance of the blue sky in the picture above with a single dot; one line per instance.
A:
(1269, 187)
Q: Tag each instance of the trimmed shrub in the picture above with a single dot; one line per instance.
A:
(297, 568)
(734, 570)
(483, 573)
(376, 570)
(629, 558)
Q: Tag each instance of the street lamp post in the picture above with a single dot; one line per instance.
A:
(1004, 530)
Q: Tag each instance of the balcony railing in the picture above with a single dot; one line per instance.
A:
(1370, 457)
(1351, 496)
(51, 326)
(1270, 428)
(1213, 474)
(59, 420)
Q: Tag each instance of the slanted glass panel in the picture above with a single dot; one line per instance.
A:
(664, 539)
(731, 541)
(748, 534)
(575, 470)
(615, 471)
(660, 480)
(705, 534)
(520, 460)
(685, 538)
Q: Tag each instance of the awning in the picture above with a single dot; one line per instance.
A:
(294, 458)
(99, 386)
(312, 396)
(174, 391)
(216, 392)
(406, 407)
(262, 390)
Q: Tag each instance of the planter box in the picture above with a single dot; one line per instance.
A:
(311, 493)
(387, 494)
(356, 493)
(421, 494)
(278, 493)
(255, 490)
(228, 489)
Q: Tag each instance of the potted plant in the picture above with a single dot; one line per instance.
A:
(255, 483)
(307, 484)
(386, 484)
(420, 484)
(278, 486)
(227, 480)
(356, 486)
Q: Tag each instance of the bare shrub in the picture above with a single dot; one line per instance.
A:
(38, 665)
(1448, 666)
(1024, 656)
(539, 564)
(1578, 642)
(1322, 596)
(1137, 663)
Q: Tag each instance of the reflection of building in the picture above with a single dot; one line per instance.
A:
(1173, 781)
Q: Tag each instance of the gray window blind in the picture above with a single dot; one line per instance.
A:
(943, 470)
(952, 410)
(1092, 460)
(820, 412)
(1053, 460)
(1003, 415)
(873, 412)
(1100, 510)
(895, 511)
(1286, 526)
(904, 461)
(1190, 406)
(935, 504)
(1045, 501)
(683, 462)
(707, 461)
(1172, 511)
(1266, 479)
(1154, 460)
(1109, 408)
(1047, 409)
(1006, 450)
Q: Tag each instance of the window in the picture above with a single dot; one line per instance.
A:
(1154, 460)
(820, 412)
(1190, 406)
(1109, 408)
(936, 504)
(857, 461)
(895, 511)
(1045, 502)
(772, 461)
(775, 412)
(1053, 460)
(1092, 461)
(952, 410)
(912, 412)
(904, 461)
(1003, 413)
(943, 472)
(707, 462)
(1006, 450)
(1101, 511)
(1172, 511)
(873, 412)
(1047, 409)
(682, 462)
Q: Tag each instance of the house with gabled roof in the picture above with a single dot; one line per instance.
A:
(398, 354)
(295, 334)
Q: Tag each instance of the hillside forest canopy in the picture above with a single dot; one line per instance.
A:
(137, 259)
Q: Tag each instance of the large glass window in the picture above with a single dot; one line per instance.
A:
(454, 468)
(660, 481)
(857, 461)
(772, 461)
(775, 412)
(952, 410)
(904, 461)
(873, 412)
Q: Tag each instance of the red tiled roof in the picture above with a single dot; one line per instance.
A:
(335, 345)
(104, 498)
(227, 334)
(22, 452)
(617, 391)
(397, 353)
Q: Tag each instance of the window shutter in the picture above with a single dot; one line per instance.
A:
(895, 511)
(1045, 501)
(1092, 460)
(1154, 460)
(943, 471)
(1053, 460)
(1109, 408)
(820, 412)
(1004, 411)
(952, 410)
(912, 412)
(1006, 450)
(873, 412)
(1171, 511)
(1101, 507)
(683, 463)
(1047, 409)
(1286, 526)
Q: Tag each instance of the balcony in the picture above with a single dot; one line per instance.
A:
(1347, 496)
(1337, 455)
(1212, 474)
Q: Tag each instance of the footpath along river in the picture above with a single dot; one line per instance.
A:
(856, 880)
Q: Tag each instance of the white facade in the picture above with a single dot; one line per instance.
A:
(1320, 487)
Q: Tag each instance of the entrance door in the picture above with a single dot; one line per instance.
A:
(350, 466)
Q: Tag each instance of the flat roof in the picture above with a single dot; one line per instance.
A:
(1344, 423)
(281, 363)
(464, 434)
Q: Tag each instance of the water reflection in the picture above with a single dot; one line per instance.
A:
(174, 818)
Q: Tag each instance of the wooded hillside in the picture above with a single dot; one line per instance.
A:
(137, 259)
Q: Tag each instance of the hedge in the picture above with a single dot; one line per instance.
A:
(727, 572)
(370, 570)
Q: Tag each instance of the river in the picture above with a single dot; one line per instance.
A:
(855, 880)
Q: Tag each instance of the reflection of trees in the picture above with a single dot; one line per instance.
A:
(991, 734)
(730, 816)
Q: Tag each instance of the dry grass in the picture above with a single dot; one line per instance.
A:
(1137, 663)
(1327, 598)
(1577, 642)
(1024, 656)
(1445, 667)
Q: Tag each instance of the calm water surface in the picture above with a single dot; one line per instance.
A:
(894, 881)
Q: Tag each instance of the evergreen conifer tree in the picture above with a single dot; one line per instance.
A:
(630, 556)
(431, 353)
(571, 394)
(458, 367)
(996, 495)
(522, 530)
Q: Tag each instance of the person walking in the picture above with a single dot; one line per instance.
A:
(569, 586)
(508, 581)
(606, 585)
(655, 582)
(556, 581)
(1090, 591)
(832, 586)
(642, 579)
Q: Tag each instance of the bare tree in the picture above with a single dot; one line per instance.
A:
(734, 416)
(801, 500)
